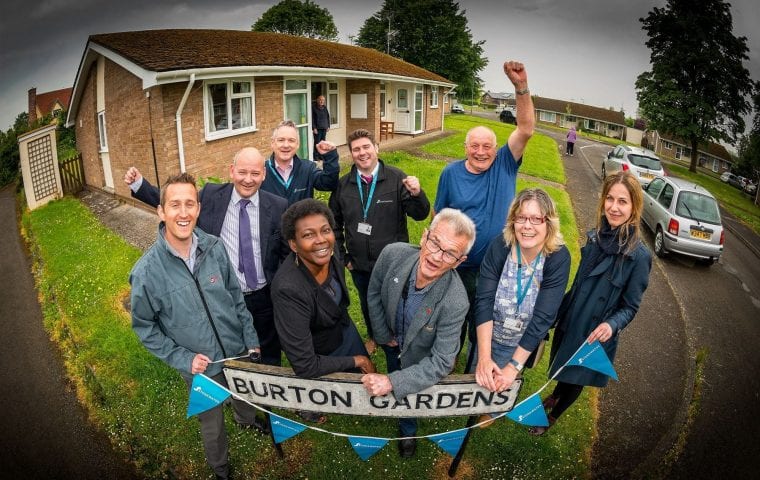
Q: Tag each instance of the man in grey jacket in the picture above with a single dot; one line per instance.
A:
(188, 309)
(417, 305)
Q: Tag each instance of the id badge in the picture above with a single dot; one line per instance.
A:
(513, 323)
(364, 228)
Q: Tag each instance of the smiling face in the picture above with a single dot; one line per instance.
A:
(285, 143)
(247, 172)
(433, 261)
(179, 212)
(530, 237)
(480, 148)
(617, 205)
(364, 154)
(314, 242)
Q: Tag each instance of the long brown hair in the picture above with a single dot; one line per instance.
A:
(629, 233)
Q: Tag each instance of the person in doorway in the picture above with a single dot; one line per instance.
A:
(320, 123)
(611, 280)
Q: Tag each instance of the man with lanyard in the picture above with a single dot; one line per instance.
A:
(417, 305)
(371, 205)
(483, 184)
(292, 177)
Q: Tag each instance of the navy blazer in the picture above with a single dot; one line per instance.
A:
(215, 198)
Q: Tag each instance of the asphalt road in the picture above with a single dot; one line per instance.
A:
(44, 432)
(688, 308)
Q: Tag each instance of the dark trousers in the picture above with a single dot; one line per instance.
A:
(570, 146)
(361, 281)
(469, 278)
(407, 426)
(259, 304)
(213, 433)
(318, 137)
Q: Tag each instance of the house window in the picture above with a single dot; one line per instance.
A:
(547, 117)
(716, 165)
(382, 100)
(332, 104)
(102, 131)
(445, 99)
(229, 107)
(434, 97)
(679, 152)
(589, 124)
(418, 106)
(667, 145)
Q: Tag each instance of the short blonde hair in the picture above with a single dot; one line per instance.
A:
(548, 209)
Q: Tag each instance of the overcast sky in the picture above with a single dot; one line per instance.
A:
(587, 51)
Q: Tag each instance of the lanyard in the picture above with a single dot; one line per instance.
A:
(278, 177)
(521, 292)
(365, 206)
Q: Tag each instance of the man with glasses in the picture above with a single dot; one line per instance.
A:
(371, 205)
(483, 184)
(417, 305)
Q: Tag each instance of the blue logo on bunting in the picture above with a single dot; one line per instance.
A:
(594, 357)
(365, 447)
(283, 429)
(205, 394)
(449, 442)
(530, 412)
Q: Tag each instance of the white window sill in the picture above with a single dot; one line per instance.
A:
(228, 133)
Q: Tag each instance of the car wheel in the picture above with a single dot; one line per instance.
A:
(707, 261)
(659, 243)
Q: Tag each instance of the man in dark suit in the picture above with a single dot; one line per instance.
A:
(221, 209)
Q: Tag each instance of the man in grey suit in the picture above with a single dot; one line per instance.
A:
(417, 305)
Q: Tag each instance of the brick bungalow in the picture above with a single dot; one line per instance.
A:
(172, 100)
(566, 114)
(711, 156)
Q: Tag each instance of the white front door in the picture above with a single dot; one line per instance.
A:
(403, 110)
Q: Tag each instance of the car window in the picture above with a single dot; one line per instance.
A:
(655, 187)
(618, 152)
(644, 162)
(698, 207)
(666, 197)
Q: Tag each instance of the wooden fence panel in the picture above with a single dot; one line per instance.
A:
(72, 175)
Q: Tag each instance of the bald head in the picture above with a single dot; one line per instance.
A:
(247, 171)
(480, 148)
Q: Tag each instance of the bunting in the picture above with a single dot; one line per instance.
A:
(205, 394)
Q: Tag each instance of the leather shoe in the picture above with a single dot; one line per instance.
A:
(260, 424)
(407, 447)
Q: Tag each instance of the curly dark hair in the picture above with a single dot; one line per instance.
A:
(301, 209)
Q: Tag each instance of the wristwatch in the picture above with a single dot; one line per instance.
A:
(518, 366)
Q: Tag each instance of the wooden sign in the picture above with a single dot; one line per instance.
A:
(455, 395)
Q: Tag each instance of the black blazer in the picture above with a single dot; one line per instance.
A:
(215, 198)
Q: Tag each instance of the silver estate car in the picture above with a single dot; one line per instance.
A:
(684, 217)
(644, 164)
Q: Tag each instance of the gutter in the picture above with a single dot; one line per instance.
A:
(178, 118)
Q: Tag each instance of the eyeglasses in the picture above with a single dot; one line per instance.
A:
(533, 220)
(434, 247)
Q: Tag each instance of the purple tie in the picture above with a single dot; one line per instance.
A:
(247, 264)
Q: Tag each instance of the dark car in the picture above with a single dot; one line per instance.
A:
(507, 116)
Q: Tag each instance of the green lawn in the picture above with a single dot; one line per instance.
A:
(82, 269)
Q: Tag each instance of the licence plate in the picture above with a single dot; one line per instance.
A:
(700, 234)
(648, 176)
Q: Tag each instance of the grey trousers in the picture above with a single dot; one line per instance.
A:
(213, 433)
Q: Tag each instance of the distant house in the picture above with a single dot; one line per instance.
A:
(171, 100)
(566, 114)
(497, 99)
(48, 103)
(711, 156)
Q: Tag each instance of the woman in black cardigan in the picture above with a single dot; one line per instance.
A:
(310, 298)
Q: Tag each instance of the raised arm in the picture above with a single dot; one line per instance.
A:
(526, 116)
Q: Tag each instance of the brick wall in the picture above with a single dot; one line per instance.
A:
(372, 122)
(432, 115)
(87, 131)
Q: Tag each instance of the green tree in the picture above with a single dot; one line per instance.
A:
(748, 163)
(9, 155)
(698, 86)
(430, 33)
(294, 17)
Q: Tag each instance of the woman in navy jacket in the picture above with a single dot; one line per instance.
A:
(522, 279)
(606, 294)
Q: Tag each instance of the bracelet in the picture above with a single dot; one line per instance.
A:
(523, 91)
(518, 366)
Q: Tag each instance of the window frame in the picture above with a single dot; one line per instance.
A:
(102, 132)
(230, 95)
(434, 96)
(333, 106)
(543, 115)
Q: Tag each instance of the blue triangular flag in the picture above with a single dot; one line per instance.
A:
(530, 412)
(449, 442)
(205, 394)
(365, 447)
(283, 429)
(594, 357)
